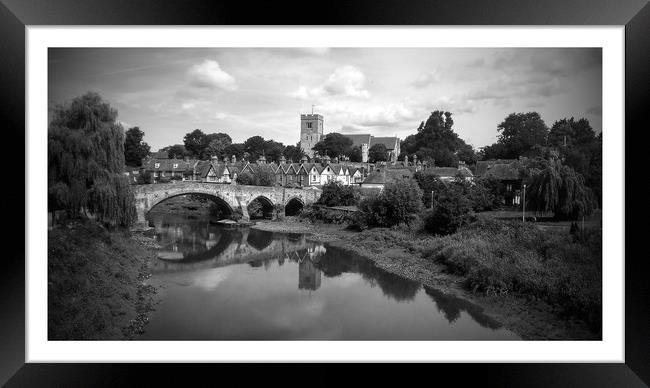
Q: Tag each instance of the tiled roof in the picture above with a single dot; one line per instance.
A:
(357, 140)
(450, 172)
(483, 165)
(168, 164)
(389, 142)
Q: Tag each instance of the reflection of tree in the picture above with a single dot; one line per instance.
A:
(338, 261)
(451, 306)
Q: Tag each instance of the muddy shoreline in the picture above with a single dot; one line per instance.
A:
(530, 318)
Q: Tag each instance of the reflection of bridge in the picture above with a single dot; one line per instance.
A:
(234, 197)
(241, 246)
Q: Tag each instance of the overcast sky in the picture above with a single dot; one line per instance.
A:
(262, 91)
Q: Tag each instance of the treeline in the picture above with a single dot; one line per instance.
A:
(200, 145)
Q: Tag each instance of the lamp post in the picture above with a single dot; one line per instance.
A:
(523, 206)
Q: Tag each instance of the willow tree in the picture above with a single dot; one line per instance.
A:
(85, 162)
(559, 189)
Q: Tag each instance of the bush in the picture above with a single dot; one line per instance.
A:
(177, 178)
(336, 194)
(244, 178)
(447, 215)
(164, 179)
(399, 202)
(144, 178)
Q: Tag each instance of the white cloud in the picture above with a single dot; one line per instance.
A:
(209, 74)
(426, 79)
(344, 81)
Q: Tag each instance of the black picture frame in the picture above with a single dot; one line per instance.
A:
(16, 14)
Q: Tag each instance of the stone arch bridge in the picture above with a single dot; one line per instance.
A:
(235, 197)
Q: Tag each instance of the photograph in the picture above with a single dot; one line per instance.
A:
(325, 193)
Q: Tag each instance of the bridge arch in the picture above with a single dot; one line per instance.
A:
(221, 210)
(260, 207)
(294, 206)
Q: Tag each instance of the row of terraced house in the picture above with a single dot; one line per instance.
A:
(287, 173)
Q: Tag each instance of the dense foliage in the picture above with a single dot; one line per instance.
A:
(399, 202)
(134, 148)
(203, 146)
(498, 257)
(519, 133)
(377, 153)
(436, 141)
(85, 162)
(559, 189)
(333, 145)
(336, 194)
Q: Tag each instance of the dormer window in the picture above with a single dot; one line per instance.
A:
(157, 165)
(175, 165)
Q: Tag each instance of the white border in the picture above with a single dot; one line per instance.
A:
(610, 349)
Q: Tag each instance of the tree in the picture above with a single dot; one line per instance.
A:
(176, 151)
(85, 162)
(377, 153)
(195, 143)
(518, 135)
(217, 144)
(255, 147)
(399, 202)
(559, 189)
(134, 148)
(581, 149)
(273, 150)
(435, 140)
(355, 154)
(336, 194)
(236, 149)
(333, 145)
(451, 209)
(293, 153)
(263, 177)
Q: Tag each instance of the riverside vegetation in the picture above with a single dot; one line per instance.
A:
(491, 257)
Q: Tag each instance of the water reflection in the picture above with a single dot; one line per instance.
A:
(247, 277)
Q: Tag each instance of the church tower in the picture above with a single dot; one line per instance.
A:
(311, 132)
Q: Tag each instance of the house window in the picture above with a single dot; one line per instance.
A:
(309, 125)
(175, 165)
(157, 165)
(509, 187)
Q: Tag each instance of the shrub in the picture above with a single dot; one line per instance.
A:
(399, 202)
(144, 178)
(245, 178)
(177, 178)
(451, 209)
(336, 194)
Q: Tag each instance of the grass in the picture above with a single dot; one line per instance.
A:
(499, 257)
(95, 288)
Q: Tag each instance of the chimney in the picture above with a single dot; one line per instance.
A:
(261, 160)
(234, 159)
(282, 159)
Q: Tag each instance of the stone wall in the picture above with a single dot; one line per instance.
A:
(237, 197)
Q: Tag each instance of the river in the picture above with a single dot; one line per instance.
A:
(246, 284)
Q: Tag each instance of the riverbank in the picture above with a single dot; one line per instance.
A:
(97, 282)
(407, 253)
